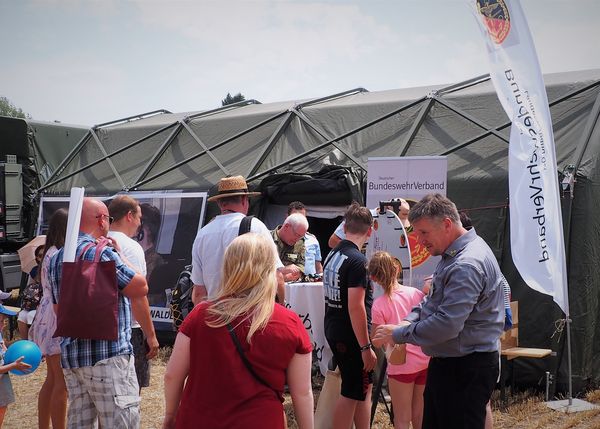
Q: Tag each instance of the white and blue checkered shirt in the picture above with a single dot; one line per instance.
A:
(76, 352)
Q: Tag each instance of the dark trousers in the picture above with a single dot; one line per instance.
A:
(458, 390)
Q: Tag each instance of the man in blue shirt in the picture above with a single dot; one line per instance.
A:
(100, 374)
(459, 323)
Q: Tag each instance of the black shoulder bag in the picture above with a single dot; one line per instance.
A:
(258, 378)
(245, 225)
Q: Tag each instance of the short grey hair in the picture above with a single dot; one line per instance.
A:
(296, 220)
(434, 206)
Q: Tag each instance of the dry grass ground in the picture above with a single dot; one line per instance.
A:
(524, 412)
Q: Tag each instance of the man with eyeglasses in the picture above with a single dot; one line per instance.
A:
(100, 374)
(127, 220)
(313, 267)
(289, 239)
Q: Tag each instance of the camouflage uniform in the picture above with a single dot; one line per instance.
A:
(290, 254)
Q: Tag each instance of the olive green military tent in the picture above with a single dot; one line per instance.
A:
(288, 150)
(39, 147)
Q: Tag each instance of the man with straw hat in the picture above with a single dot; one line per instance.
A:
(211, 241)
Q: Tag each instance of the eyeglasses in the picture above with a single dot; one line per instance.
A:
(110, 218)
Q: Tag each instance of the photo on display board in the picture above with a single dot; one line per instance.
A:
(169, 225)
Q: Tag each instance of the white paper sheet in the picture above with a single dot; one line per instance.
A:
(75, 206)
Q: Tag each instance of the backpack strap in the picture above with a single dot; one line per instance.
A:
(245, 225)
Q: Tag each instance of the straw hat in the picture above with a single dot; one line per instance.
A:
(231, 187)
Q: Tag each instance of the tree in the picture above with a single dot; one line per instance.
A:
(229, 99)
(9, 109)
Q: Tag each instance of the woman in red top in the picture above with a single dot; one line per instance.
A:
(220, 391)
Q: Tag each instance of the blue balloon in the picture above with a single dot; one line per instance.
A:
(28, 349)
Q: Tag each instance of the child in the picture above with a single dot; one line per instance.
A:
(407, 381)
(6, 391)
(32, 294)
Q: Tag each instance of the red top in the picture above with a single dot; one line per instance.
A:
(220, 392)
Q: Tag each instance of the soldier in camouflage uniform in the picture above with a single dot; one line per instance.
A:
(289, 239)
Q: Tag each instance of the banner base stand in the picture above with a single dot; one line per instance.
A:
(576, 406)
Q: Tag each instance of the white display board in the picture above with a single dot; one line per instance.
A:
(390, 236)
(170, 221)
(308, 301)
(411, 178)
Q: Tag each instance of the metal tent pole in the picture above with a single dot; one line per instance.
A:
(569, 357)
(568, 183)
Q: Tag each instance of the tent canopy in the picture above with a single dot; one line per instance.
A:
(465, 122)
(39, 148)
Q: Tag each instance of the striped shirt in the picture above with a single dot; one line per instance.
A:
(76, 352)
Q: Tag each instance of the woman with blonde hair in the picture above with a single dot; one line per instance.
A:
(406, 382)
(232, 356)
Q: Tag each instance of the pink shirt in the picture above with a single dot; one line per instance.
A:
(392, 310)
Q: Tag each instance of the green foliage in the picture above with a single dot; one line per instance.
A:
(229, 99)
(9, 109)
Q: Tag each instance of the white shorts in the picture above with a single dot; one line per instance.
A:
(26, 316)
(107, 392)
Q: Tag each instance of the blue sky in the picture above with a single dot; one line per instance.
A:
(88, 62)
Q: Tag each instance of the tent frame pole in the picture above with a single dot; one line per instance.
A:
(161, 150)
(67, 160)
(206, 149)
(182, 123)
(569, 368)
(416, 126)
(134, 117)
(99, 160)
(340, 137)
(216, 146)
(424, 110)
(75, 150)
(270, 144)
(587, 133)
(324, 135)
(331, 97)
(508, 123)
(108, 160)
(285, 123)
(221, 109)
(464, 84)
(470, 118)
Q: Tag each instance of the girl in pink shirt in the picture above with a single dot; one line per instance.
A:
(407, 381)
